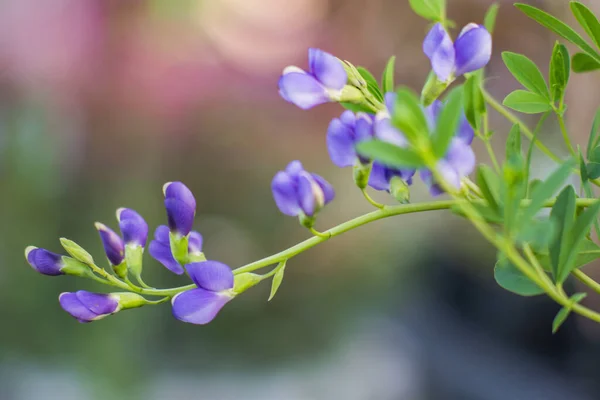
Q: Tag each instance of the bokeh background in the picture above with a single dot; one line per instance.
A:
(102, 101)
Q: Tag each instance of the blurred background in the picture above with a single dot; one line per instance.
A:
(102, 101)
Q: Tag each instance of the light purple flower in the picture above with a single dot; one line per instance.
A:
(459, 160)
(298, 192)
(113, 244)
(160, 248)
(344, 134)
(133, 227)
(201, 305)
(471, 51)
(87, 307)
(44, 261)
(324, 81)
(181, 207)
(381, 175)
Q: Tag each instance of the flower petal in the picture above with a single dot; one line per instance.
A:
(211, 275)
(473, 50)
(307, 197)
(195, 242)
(294, 168)
(465, 131)
(44, 261)
(113, 244)
(438, 47)
(461, 157)
(302, 90)
(328, 69)
(390, 102)
(98, 303)
(340, 143)
(198, 306)
(162, 253)
(161, 234)
(385, 131)
(284, 190)
(328, 192)
(181, 207)
(71, 304)
(432, 113)
(378, 178)
(133, 227)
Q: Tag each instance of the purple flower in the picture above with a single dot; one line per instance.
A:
(381, 175)
(471, 51)
(87, 306)
(160, 248)
(113, 244)
(133, 227)
(181, 207)
(459, 160)
(201, 305)
(44, 261)
(323, 83)
(298, 192)
(344, 133)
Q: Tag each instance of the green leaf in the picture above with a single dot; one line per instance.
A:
(372, 84)
(389, 154)
(512, 279)
(489, 184)
(488, 214)
(356, 108)
(583, 173)
(447, 123)
(527, 102)
(489, 21)
(408, 116)
(558, 27)
(588, 252)
(432, 10)
(76, 251)
(560, 69)
(546, 190)
(513, 142)
(564, 312)
(277, 279)
(587, 20)
(526, 72)
(563, 213)
(538, 233)
(387, 80)
(593, 138)
(593, 167)
(474, 102)
(584, 63)
(577, 234)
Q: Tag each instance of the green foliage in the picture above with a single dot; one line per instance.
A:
(277, 279)
(512, 279)
(592, 169)
(537, 233)
(588, 252)
(526, 72)
(527, 102)
(390, 154)
(447, 123)
(513, 143)
(372, 84)
(489, 184)
(408, 116)
(587, 20)
(387, 80)
(432, 10)
(489, 21)
(564, 312)
(474, 102)
(356, 107)
(560, 69)
(76, 251)
(584, 63)
(558, 27)
(594, 138)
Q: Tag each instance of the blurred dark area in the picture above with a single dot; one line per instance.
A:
(103, 101)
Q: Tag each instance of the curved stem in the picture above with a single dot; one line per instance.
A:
(370, 199)
(586, 280)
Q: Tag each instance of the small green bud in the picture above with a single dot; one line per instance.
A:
(351, 94)
(361, 173)
(134, 259)
(245, 281)
(354, 77)
(179, 248)
(434, 88)
(129, 300)
(307, 221)
(400, 190)
(76, 251)
(75, 267)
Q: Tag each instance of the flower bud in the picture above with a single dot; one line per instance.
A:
(113, 244)
(87, 307)
(44, 261)
(399, 189)
(135, 234)
(181, 207)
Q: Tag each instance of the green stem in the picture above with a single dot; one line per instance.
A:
(587, 280)
(565, 134)
(515, 120)
(370, 199)
(490, 150)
